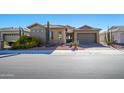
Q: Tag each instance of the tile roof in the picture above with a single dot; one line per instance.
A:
(51, 26)
(12, 29)
(117, 28)
(86, 27)
(8, 28)
(34, 25)
(55, 26)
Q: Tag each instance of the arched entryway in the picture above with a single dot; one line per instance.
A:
(69, 37)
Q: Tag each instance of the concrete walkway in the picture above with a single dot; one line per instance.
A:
(90, 50)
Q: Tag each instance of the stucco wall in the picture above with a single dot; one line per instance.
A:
(39, 35)
(102, 37)
(81, 31)
(42, 35)
(119, 37)
(122, 37)
(56, 35)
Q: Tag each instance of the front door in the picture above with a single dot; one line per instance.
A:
(69, 37)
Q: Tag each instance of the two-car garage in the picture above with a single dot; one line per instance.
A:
(87, 34)
(86, 37)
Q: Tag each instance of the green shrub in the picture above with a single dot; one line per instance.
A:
(109, 43)
(25, 42)
(75, 43)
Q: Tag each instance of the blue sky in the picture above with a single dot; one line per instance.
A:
(96, 20)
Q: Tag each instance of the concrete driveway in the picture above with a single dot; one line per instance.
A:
(90, 49)
(92, 45)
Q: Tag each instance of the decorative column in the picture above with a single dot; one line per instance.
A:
(64, 36)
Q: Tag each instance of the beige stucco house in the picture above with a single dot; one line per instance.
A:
(64, 34)
(11, 34)
(59, 34)
(116, 34)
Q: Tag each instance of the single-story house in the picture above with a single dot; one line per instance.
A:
(117, 34)
(11, 34)
(58, 34)
(65, 34)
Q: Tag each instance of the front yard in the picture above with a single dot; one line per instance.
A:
(117, 46)
(58, 47)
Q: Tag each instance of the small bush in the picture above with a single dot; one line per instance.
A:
(75, 43)
(111, 42)
(25, 42)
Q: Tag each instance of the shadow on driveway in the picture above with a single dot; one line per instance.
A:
(92, 45)
(7, 55)
(2, 52)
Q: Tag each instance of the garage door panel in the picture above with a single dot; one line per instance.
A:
(11, 37)
(122, 38)
(86, 37)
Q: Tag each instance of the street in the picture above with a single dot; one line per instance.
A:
(89, 65)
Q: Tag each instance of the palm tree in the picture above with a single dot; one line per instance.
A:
(108, 37)
(47, 33)
(21, 31)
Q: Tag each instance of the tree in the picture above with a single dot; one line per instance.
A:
(108, 37)
(21, 31)
(47, 33)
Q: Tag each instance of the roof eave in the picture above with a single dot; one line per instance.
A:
(34, 24)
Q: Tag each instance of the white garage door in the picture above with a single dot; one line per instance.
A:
(122, 38)
(86, 37)
(11, 37)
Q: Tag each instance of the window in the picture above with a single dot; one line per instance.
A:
(60, 35)
(37, 30)
(33, 30)
(51, 35)
(41, 30)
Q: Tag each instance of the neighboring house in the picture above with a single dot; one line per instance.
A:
(117, 34)
(11, 34)
(59, 34)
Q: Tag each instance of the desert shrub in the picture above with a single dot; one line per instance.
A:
(75, 43)
(109, 43)
(25, 42)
